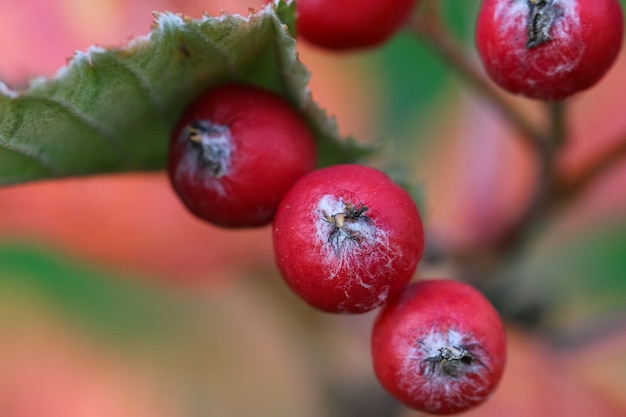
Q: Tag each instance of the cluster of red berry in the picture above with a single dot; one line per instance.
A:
(347, 239)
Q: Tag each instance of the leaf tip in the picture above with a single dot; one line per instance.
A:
(168, 20)
(79, 58)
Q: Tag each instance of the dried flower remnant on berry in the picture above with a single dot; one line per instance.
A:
(349, 225)
(451, 360)
(215, 146)
(541, 16)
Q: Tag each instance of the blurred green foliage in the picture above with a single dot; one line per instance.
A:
(414, 76)
(571, 285)
(95, 299)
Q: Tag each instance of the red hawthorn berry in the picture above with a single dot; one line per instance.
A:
(548, 49)
(235, 152)
(351, 24)
(439, 347)
(346, 238)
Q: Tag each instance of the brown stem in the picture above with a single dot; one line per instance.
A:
(538, 204)
(558, 134)
(431, 30)
(544, 195)
(482, 265)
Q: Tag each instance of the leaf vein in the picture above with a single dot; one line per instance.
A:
(143, 83)
(28, 153)
(67, 107)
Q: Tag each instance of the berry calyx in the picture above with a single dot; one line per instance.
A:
(548, 49)
(214, 144)
(348, 225)
(439, 347)
(346, 238)
(235, 152)
(540, 19)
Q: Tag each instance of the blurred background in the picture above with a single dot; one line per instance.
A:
(115, 302)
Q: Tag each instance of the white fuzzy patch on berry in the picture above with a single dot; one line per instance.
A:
(511, 14)
(422, 373)
(209, 155)
(514, 15)
(565, 33)
(351, 243)
(342, 241)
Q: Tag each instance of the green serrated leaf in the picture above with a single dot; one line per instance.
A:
(112, 109)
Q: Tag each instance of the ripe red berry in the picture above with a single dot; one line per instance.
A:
(351, 24)
(346, 238)
(548, 49)
(439, 347)
(235, 153)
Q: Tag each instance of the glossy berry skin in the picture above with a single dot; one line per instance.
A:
(346, 238)
(351, 24)
(235, 152)
(439, 347)
(568, 46)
